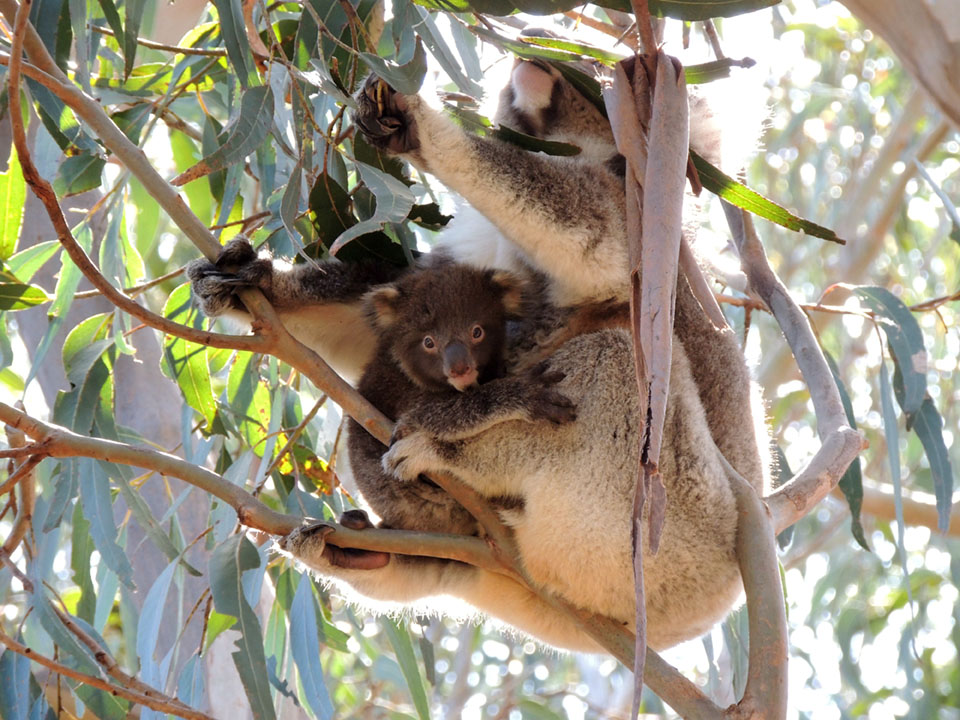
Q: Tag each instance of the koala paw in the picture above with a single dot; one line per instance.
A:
(215, 284)
(308, 543)
(410, 456)
(383, 116)
(546, 403)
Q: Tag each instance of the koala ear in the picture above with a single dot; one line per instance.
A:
(380, 305)
(511, 287)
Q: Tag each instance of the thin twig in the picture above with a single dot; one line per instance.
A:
(161, 46)
(133, 290)
(156, 701)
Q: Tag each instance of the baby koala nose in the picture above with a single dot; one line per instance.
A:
(459, 365)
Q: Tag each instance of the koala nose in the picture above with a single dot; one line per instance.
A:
(457, 360)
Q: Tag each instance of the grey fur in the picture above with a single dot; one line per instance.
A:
(564, 218)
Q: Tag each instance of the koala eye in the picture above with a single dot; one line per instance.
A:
(429, 343)
(477, 333)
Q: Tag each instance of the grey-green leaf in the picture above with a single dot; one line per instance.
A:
(400, 640)
(98, 509)
(406, 77)
(227, 564)
(905, 339)
(305, 645)
(929, 428)
(851, 484)
(248, 132)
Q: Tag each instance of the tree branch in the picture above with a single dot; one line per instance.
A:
(24, 475)
(840, 443)
(766, 690)
(156, 701)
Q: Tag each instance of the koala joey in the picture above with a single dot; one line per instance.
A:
(563, 219)
(439, 364)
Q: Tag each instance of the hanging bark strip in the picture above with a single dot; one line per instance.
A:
(654, 247)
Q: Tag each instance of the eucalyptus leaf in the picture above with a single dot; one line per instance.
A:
(741, 196)
(400, 640)
(251, 128)
(305, 645)
(228, 562)
(13, 195)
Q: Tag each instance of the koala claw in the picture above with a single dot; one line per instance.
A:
(409, 457)
(553, 406)
(383, 118)
(309, 543)
(308, 534)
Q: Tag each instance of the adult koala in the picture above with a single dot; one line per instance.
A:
(564, 218)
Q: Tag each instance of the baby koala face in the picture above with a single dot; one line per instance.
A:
(445, 324)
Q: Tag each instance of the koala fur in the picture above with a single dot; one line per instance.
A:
(564, 218)
(445, 306)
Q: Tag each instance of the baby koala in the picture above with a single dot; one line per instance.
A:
(439, 366)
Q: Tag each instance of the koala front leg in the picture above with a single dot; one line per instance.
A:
(409, 580)
(566, 215)
(528, 397)
(320, 304)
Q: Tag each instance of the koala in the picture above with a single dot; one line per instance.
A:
(439, 363)
(562, 220)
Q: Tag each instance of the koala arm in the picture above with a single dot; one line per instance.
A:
(528, 397)
(320, 304)
(566, 215)
(410, 580)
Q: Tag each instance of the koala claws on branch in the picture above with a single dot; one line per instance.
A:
(311, 540)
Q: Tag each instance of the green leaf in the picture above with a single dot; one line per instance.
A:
(290, 202)
(248, 132)
(406, 77)
(78, 174)
(715, 70)
(743, 197)
(113, 19)
(185, 361)
(400, 640)
(427, 29)
(25, 263)
(851, 484)
(582, 50)
(81, 548)
(905, 340)
(18, 296)
(103, 705)
(679, 9)
(893, 457)
(151, 615)
(928, 425)
(249, 398)
(305, 646)
(394, 201)
(14, 685)
(133, 15)
(88, 353)
(227, 564)
(13, 195)
(13, 382)
(235, 40)
(70, 274)
(98, 509)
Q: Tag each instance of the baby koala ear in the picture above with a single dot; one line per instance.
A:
(511, 287)
(381, 306)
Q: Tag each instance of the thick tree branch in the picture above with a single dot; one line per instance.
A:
(766, 690)
(840, 443)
